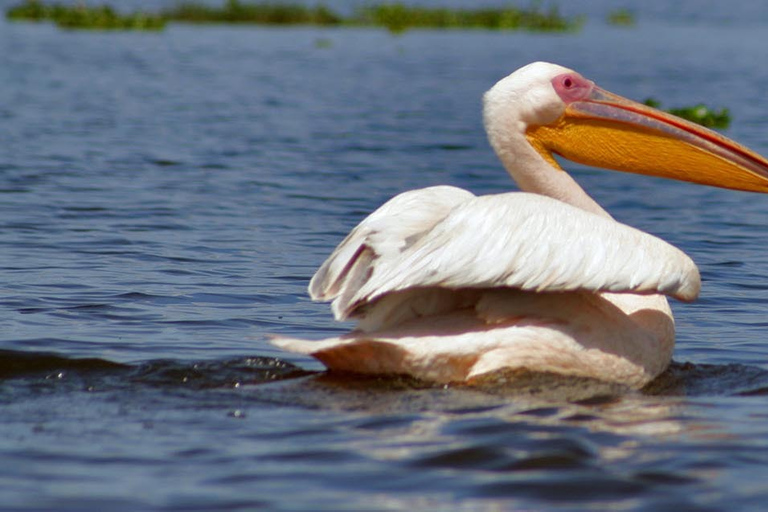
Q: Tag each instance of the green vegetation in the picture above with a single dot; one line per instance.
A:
(398, 17)
(80, 16)
(700, 114)
(395, 17)
(621, 17)
(234, 11)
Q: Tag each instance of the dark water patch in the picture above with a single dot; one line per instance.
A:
(25, 364)
(580, 418)
(387, 422)
(161, 162)
(440, 148)
(672, 504)
(309, 455)
(218, 323)
(754, 392)
(496, 428)
(664, 478)
(314, 433)
(149, 297)
(162, 374)
(728, 264)
(474, 410)
(230, 298)
(178, 272)
(140, 255)
(550, 460)
(687, 379)
(102, 310)
(680, 380)
(209, 503)
(541, 412)
(600, 399)
(215, 374)
(481, 457)
(508, 455)
(60, 286)
(138, 227)
(85, 209)
(585, 487)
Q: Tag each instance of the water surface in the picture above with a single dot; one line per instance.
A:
(165, 198)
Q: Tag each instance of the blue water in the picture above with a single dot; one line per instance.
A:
(165, 198)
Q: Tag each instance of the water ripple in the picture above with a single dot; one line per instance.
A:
(166, 198)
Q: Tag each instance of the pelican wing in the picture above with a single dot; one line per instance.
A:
(451, 239)
(383, 235)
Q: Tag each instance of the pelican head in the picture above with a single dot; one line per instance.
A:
(554, 110)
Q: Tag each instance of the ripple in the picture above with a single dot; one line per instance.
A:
(195, 375)
(22, 364)
(584, 487)
(482, 457)
(689, 379)
(167, 197)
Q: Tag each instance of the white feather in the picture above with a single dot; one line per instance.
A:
(386, 232)
(517, 240)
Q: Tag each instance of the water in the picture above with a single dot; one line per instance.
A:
(166, 198)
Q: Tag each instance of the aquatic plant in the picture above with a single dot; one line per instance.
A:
(234, 11)
(31, 10)
(700, 114)
(398, 17)
(621, 17)
(102, 17)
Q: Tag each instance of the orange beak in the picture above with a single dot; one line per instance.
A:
(608, 131)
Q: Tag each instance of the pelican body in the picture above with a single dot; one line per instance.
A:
(450, 287)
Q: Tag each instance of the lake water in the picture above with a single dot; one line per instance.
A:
(165, 198)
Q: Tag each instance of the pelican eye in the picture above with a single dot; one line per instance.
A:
(571, 87)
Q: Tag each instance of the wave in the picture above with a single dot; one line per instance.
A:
(681, 379)
(16, 364)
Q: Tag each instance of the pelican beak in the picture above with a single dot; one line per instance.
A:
(608, 131)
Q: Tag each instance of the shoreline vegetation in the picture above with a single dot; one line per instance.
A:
(395, 17)
(80, 16)
(699, 114)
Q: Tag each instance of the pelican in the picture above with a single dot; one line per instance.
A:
(449, 287)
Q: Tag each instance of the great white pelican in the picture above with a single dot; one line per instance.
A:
(449, 287)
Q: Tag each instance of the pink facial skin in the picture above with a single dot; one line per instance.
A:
(572, 87)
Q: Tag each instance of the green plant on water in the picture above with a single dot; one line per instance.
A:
(234, 11)
(621, 17)
(80, 16)
(30, 10)
(398, 17)
(700, 114)
(105, 18)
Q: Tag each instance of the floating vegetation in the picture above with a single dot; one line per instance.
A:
(81, 16)
(700, 114)
(621, 17)
(396, 17)
(234, 11)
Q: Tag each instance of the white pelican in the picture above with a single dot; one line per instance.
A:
(449, 287)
